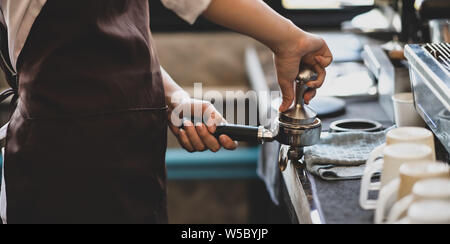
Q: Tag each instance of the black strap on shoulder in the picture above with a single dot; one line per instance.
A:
(6, 66)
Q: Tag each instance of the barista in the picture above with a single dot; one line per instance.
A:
(86, 142)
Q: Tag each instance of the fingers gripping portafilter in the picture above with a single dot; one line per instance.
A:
(297, 128)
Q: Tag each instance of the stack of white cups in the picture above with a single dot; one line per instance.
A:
(412, 182)
(414, 187)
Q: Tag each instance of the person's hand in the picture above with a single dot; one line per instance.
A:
(199, 137)
(309, 51)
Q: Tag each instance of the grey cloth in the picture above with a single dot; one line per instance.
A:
(342, 156)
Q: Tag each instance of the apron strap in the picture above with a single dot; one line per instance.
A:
(5, 62)
(10, 74)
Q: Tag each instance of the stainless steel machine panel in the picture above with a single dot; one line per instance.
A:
(430, 77)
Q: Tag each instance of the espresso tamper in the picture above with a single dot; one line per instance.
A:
(299, 127)
(296, 128)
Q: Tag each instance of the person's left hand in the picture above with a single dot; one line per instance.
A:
(199, 137)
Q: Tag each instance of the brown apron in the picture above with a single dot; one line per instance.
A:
(87, 141)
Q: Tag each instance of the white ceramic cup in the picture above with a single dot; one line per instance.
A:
(415, 135)
(394, 156)
(405, 111)
(428, 189)
(386, 199)
(410, 174)
(429, 212)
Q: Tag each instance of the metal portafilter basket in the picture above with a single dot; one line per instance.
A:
(297, 128)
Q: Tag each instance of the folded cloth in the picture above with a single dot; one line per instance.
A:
(342, 156)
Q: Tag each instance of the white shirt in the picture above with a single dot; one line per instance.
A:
(189, 10)
(19, 16)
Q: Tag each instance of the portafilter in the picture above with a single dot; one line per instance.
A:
(297, 128)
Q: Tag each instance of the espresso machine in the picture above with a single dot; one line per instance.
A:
(430, 78)
(429, 65)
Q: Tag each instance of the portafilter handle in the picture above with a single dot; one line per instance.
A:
(245, 133)
(261, 134)
(242, 133)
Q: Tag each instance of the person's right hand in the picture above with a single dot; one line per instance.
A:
(308, 50)
(199, 137)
